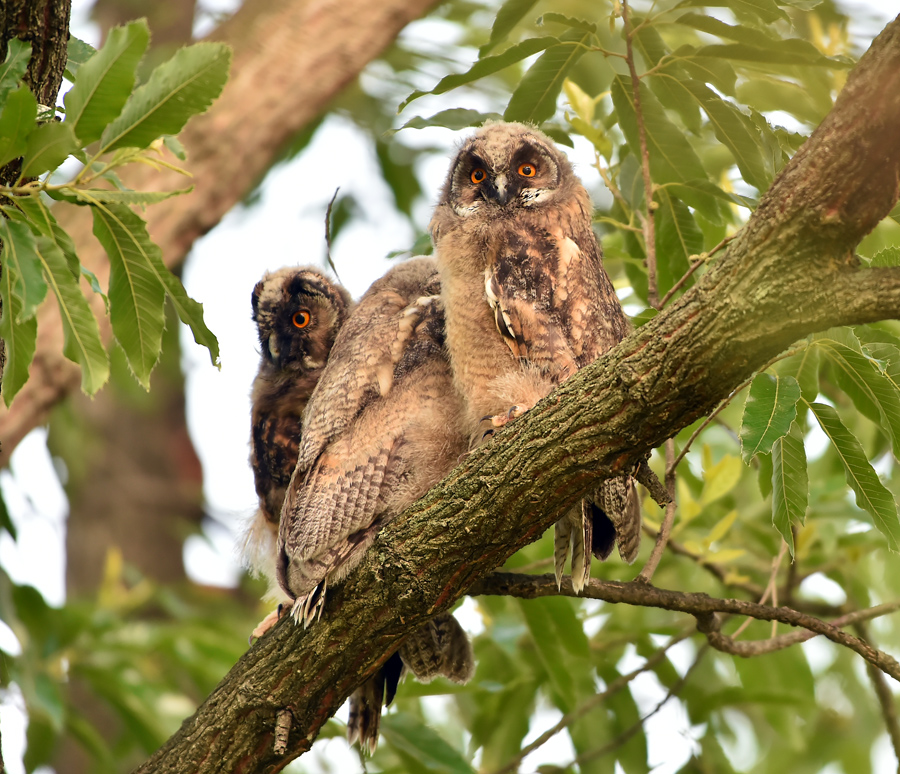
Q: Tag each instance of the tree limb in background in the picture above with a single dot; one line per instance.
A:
(789, 272)
(290, 60)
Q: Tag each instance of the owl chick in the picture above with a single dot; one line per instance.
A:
(298, 312)
(381, 428)
(527, 303)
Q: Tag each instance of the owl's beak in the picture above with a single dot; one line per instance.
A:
(497, 190)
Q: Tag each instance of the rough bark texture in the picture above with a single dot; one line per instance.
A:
(290, 60)
(789, 273)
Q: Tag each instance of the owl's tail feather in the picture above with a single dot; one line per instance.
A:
(616, 516)
(574, 530)
(439, 647)
(366, 702)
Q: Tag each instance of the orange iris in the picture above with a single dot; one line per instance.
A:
(301, 319)
(527, 170)
(478, 175)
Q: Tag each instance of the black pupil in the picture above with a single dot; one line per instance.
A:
(479, 175)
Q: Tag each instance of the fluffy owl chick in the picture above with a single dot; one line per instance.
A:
(298, 312)
(381, 428)
(528, 303)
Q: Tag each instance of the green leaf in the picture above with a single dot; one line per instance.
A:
(105, 81)
(509, 15)
(889, 256)
(43, 222)
(189, 311)
(135, 294)
(183, 87)
(20, 256)
(790, 484)
(672, 159)
(677, 238)
(568, 21)
(804, 367)
(408, 734)
(534, 100)
(871, 494)
(719, 479)
(736, 131)
(20, 337)
(107, 196)
(487, 66)
(755, 45)
(48, 146)
(18, 54)
(16, 123)
(770, 410)
(769, 93)
(863, 378)
(78, 53)
(455, 118)
(552, 656)
(82, 342)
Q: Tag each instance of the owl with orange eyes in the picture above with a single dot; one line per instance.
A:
(298, 312)
(527, 303)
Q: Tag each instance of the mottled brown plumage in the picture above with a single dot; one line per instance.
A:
(381, 428)
(528, 303)
(298, 312)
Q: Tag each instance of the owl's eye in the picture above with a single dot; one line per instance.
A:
(478, 175)
(527, 170)
(302, 318)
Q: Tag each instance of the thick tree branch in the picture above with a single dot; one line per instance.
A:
(290, 60)
(778, 281)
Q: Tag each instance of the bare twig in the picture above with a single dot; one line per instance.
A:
(703, 258)
(644, 475)
(728, 644)
(703, 607)
(665, 529)
(570, 717)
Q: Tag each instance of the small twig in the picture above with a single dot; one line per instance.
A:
(633, 729)
(769, 592)
(703, 607)
(570, 717)
(328, 234)
(680, 284)
(703, 258)
(728, 644)
(644, 475)
(282, 731)
(665, 529)
(884, 694)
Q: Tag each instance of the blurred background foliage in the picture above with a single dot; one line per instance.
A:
(729, 91)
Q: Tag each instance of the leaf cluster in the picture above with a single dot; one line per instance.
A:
(108, 123)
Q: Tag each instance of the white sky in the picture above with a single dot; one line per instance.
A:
(279, 229)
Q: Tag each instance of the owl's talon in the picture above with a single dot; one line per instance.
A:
(488, 434)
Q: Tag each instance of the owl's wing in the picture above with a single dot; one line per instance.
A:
(522, 302)
(585, 299)
(366, 353)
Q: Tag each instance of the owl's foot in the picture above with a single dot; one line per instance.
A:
(499, 420)
(267, 623)
(307, 610)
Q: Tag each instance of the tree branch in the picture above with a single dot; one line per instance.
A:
(704, 608)
(778, 281)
